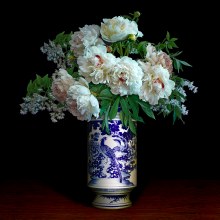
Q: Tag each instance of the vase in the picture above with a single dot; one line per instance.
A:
(112, 164)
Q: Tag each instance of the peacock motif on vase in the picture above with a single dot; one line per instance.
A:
(111, 157)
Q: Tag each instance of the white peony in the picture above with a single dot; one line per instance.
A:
(126, 77)
(80, 102)
(87, 36)
(155, 57)
(96, 64)
(156, 84)
(62, 80)
(118, 28)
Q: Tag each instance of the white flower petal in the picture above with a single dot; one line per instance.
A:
(118, 28)
(80, 102)
(156, 85)
(126, 77)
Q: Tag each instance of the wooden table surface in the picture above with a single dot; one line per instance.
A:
(176, 199)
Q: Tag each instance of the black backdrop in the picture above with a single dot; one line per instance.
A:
(33, 146)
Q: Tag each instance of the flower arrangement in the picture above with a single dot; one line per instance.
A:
(106, 68)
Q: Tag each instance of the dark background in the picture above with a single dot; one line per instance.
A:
(34, 147)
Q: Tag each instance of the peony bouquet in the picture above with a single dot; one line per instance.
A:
(104, 70)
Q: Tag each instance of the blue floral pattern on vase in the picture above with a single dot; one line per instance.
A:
(112, 158)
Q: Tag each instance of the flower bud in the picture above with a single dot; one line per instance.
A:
(109, 49)
(71, 57)
(137, 14)
(132, 37)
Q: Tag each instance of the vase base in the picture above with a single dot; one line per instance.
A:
(112, 201)
(112, 198)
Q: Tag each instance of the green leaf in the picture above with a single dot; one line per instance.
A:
(70, 70)
(124, 106)
(160, 46)
(29, 88)
(39, 85)
(173, 39)
(105, 125)
(173, 44)
(169, 107)
(146, 108)
(142, 45)
(121, 116)
(176, 54)
(125, 121)
(106, 93)
(105, 104)
(114, 108)
(59, 36)
(75, 75)
(97, 88)
(177, 65)
(137, 118)
(132, 126)
(132, 99)
(38, 80)
(46, 81)
(185, 63)
(63, 39)
(178, 111)
(174, 117)
(168, 36)
(142, 48)
(169, 46)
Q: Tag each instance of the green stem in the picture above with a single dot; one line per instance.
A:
(126, 51)
(121, 49)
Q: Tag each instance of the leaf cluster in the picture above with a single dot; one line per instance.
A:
(170, 43)
(125, 107)
(39, 85)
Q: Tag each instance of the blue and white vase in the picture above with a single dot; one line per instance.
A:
(112, 164)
